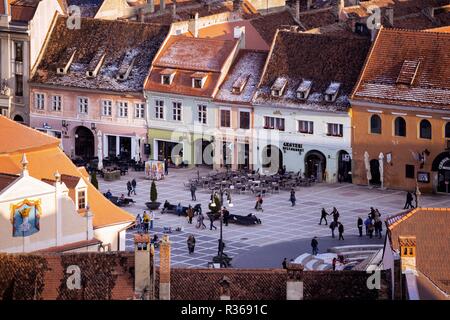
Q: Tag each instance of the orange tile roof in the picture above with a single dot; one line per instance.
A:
(25, 138)
(430, 87)
(45, 158)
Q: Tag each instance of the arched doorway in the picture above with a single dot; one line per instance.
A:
(272, 158)
(344, 167)
(204, 152)
(315, 165)
(18, 118)
(84, 143)
(441, 164)
(375, 172)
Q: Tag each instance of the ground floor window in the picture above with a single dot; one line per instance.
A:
(172, 151)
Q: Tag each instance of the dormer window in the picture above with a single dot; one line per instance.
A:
(81, 199)
(240, 83)
(332, 91)
(198, 80)
(167, 76)
(278, 87)
(303, 89)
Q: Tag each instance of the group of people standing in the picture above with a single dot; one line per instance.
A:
(373, 224)
(131, 187)
(145, 221)
(335, 224)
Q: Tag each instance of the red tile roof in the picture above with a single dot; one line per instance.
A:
(430, 86)
(430, 227)
(71, 246)
(322, 59)
(6, 179)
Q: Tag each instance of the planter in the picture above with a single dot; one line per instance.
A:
(153, 205)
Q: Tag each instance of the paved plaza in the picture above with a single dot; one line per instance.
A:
(281, 223)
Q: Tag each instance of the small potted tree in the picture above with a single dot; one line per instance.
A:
(153, 204)
(94, 180)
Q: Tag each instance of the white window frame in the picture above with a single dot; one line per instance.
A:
(83, 105)
(309, 128)
(275, 123)
(84, 190)
(139, 110)
(178, 107)
(57, 103)
(159, 109)
(337, 127)
(202, 113)
(122, 109)
(40, 100)
(107, 106)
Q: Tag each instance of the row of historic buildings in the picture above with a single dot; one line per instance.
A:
(304, 87)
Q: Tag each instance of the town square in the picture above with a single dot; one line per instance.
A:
(245, 150)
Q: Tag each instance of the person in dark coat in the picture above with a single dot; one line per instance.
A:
(166, 167)
(341, 231)
(284, 263)
(378, 225)
(335, 214)
(334, 264)
(323, 216)
(333, 226)
(315, 246)
(193, 189)
(191, 243)
(360, 223)
(292, 198)
(409, 199)
(226, 215)
(133, 186)
(129, 188)
(211, 221)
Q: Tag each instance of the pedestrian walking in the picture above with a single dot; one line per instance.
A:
(315, 246)
(409, 199)
(211, 221)
(193, 189)
(292, 197)
(166, 167)
(190, 214)
(360, 223)
(200, 221)
(323, 216)
(191, 244)
(138, 223)
(258, 204)
(335, 214)
(133, 186)
(284, 263)
(333, 226)
(146, 220)
(378, 228)
(225, 215)
(129, 188)
(151, 217)
(179, 209)
(341, 231)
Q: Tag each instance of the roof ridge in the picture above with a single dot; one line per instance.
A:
(425, 31)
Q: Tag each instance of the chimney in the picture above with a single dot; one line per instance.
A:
(58, 207)
(239, 33)
(390, 16)
(164, 268)
(151, 5)
(174, 9)
(308, 4)
(294, 283)
(193, 25)
(407, 247)
(142, 280)
(24, 163)
(225, 288)
(162, 5)
(297, 10)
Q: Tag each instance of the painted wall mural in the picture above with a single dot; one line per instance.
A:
(25, 217)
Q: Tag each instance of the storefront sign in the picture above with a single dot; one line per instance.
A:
(442, 164)
(423, 177)
(289, 146)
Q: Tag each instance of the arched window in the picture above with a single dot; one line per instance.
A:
(375, 124)
(425, 129)
(400, 127)
(447, 130)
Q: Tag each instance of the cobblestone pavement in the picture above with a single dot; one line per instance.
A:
(280, 221)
